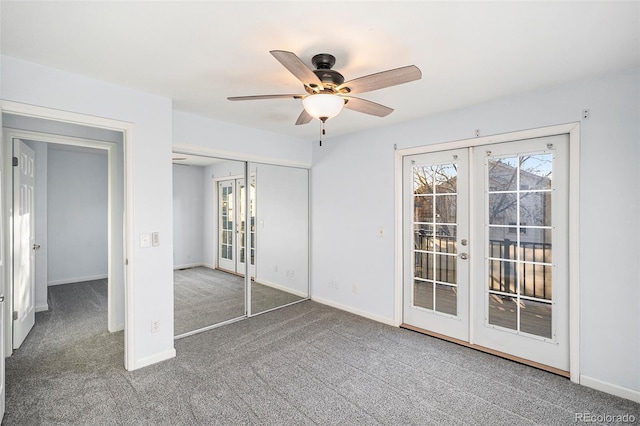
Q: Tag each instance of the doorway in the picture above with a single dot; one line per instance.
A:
(486, 247)
(115, 237)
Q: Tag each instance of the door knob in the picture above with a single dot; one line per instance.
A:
(464, 256)
(2, 298)
(36, 246)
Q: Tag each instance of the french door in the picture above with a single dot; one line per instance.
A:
(509, 250)
(232, 253)
(436, 222)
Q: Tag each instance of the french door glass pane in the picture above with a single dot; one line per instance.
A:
(503, 174)
(423, 267)
(503, 311)
(446, 208)
(535, 171)
(423, 208)
(535, 318)
(444, 176)
(536, 281)
(445, 239)
(423, 294)
(535, 208)
(446, 299)
(446, 268)
(423, 236)
(502, 276)
(503, 208)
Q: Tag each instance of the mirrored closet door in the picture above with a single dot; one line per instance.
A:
(222, 226)
(281, 236)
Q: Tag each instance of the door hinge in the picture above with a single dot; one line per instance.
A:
(15, 162)
(126, 262)
(15, 315)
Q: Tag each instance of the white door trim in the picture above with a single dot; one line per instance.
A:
(127, 131)
(573, 129)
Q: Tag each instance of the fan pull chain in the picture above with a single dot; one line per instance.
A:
(322, 131)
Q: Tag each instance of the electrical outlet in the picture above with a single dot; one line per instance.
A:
(155, 326)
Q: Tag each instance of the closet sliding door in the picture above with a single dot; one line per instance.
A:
(241, 240)
(280, 235)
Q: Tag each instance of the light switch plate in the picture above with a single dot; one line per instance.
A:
(155, 239)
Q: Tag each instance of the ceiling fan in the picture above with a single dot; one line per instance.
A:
(327, 92)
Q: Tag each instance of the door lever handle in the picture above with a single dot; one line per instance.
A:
(36, 246)
(2, 298)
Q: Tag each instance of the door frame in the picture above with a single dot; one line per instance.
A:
(115, 268)
(573, 130)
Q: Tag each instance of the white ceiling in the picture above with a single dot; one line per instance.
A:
(198, 53)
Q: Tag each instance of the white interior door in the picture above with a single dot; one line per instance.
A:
(521, 306)
(226, 225)
(2, 291)
(24, 243)
(436, 227)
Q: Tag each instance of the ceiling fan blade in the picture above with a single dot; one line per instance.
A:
(381, 80)
(367, 107)
(259, 97)
(303, 118)
(297, 67)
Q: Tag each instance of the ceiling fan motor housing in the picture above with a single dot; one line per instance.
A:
(323, 63)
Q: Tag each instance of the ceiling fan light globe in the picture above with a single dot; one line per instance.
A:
(323, 106)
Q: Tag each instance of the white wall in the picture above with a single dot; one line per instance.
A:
(150, 185)
(76, 216)
(353, 196)
(236, 142)
(188, 216)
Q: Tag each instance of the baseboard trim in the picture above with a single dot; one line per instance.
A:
(282, 288)
(154, 359)
(365, 314)
(42, 308)
(187, 265)
(77, 280)
(610, 388)
(208, 265)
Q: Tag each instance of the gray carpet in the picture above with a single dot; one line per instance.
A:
(303, 364)
(204, 296)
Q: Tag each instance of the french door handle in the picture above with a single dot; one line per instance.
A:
(36, 246)
(464, 256)
(2, 298)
